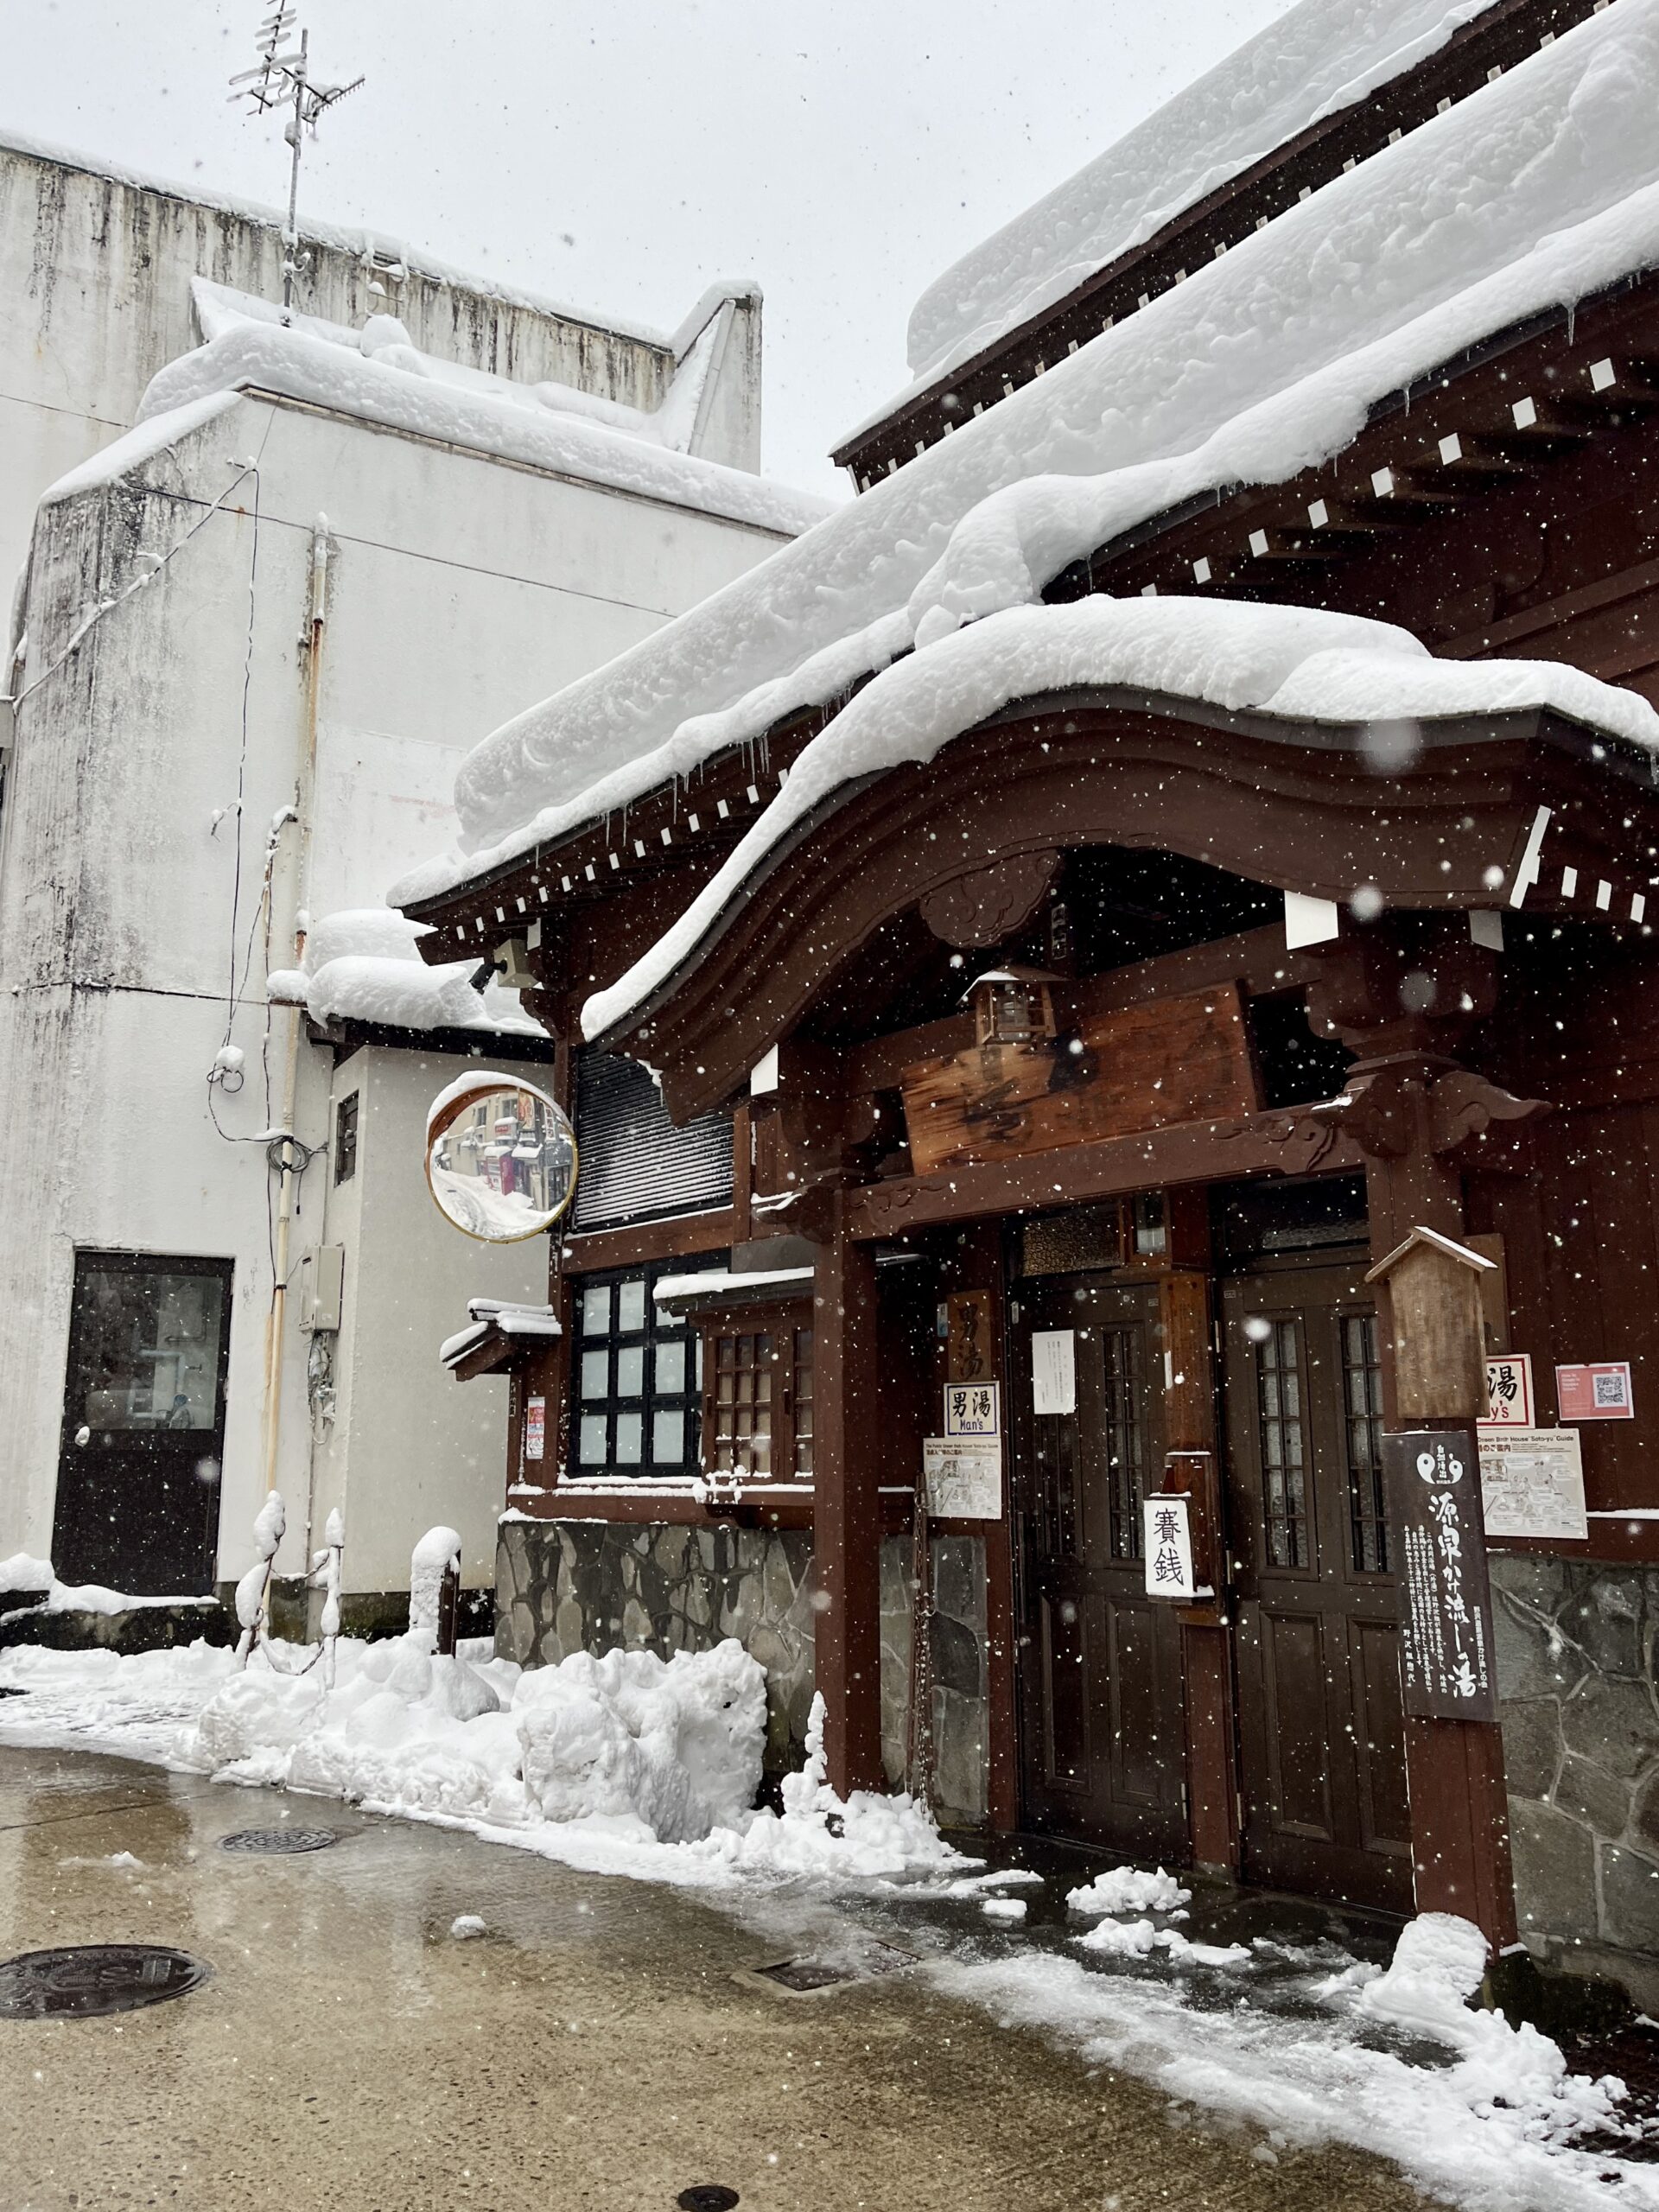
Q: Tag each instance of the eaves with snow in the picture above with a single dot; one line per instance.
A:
(1535, 193)
(361, 968)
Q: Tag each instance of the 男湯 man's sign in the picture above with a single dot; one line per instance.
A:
(1439, 1544)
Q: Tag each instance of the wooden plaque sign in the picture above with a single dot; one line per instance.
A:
(1439, 1543)
(1175, 1059)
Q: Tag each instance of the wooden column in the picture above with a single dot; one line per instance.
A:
(1431, 1377)
(846, 1519)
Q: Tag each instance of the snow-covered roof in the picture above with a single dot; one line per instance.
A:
(1532, 194)
(1316, 59)
(362, 965)
(497, 1316)
(377, 375)
(1294, 663)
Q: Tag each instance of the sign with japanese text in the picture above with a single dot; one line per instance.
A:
(1168, 1547)
(972, 1409)
(535, 1428)
(963, 1478)
(1598, 1390)
(1054, 1371)
(1439, 1554)
(1532, 1482)
(1508, 1391)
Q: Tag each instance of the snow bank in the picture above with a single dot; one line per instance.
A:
(1297, 664)
(34, 1583)
(1534, 193)
(362, 964)
(1316, 59)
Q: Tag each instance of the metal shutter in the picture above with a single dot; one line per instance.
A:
(635, 1165)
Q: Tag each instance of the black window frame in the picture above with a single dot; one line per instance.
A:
(656, 1329)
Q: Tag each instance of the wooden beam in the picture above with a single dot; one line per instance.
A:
(1292, 1142)
(846, 1527)
(652, 1240)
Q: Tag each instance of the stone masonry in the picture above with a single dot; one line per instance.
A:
(1577, 1652)
(589, 1586)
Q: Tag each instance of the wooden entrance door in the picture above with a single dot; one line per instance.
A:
(1103, 1730)
(1321, 1742)
(143, 1424)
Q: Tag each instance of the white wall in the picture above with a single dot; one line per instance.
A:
(460, 590)
(95, 298)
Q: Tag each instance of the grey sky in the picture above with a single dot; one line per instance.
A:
(623, 158)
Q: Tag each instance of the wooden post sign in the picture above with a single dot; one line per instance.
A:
(1440, 1552)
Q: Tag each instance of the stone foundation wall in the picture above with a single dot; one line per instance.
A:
(1577, 1649)
(589, 1586)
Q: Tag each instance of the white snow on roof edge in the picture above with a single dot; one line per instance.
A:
(1188, 397)
(1312, 61)
(1297, 664)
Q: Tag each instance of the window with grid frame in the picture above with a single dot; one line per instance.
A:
(757, 1415)
(637, 1376)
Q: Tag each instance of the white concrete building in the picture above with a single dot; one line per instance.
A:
(277, 579)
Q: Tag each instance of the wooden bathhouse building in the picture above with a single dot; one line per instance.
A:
(1116, 970)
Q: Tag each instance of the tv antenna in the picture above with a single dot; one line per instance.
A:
(282, 77)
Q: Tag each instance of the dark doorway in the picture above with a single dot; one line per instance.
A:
(143, 1424)
(1321, 1742)
(1102, 1727)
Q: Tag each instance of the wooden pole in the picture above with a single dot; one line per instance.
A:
(846, 1520)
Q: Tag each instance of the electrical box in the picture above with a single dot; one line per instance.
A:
(322, 1286)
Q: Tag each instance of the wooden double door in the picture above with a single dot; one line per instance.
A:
(1318, 1735)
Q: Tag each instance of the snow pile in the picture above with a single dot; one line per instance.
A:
(29, 1584)
(1437, 1967)
(1322, 56)
(1294, 663)
(362, 965)
(1131, 1890)
(1128, 1888)
(1532, 194)
(858, 1837)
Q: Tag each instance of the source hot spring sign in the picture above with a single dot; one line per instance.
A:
(500, 1158)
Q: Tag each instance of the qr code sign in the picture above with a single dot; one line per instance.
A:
(1608, 1389)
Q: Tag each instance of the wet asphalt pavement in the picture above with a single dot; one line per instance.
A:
(605, 2043)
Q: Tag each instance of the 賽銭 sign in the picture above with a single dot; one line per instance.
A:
(1167, 1548)
(1508, 1391)
(972, 1409)
(1440, 1555)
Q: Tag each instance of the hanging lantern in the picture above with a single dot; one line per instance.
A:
(1012, 1006)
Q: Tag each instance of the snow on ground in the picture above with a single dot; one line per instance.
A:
(1292, 663)
(31, 1585)
(1530, 195)
(626, 1765)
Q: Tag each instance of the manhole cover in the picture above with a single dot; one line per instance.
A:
(803, 1974)
(280, 1842)
(707, 2197)
(95, 1978)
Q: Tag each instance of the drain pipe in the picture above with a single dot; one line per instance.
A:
(281, 1154)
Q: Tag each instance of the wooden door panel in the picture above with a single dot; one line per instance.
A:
(1297, 1723)
(1322, 1759)
(1103, 1726)
(1384, 1808)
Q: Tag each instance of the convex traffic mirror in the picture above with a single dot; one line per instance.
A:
(500, 1158)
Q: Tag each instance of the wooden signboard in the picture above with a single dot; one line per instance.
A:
(969, 1342)
(1176, 1059)
(1439, 1546)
